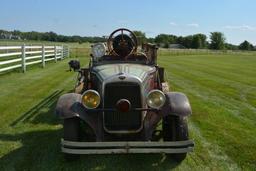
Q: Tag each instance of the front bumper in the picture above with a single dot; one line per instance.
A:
(72, 147)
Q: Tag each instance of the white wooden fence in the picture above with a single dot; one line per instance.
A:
(12, 57)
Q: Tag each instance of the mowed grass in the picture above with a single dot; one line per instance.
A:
(221, 89)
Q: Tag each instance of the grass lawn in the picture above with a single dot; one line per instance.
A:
(221, 89)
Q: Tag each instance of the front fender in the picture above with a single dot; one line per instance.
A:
(69, 105)
(176, 104)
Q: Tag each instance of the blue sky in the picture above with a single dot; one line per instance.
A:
(235, 18)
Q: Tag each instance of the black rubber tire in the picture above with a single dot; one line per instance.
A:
(71, 132)
(175, 128)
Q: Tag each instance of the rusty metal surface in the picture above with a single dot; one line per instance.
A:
(151, 52)
(150, 122)
(122, 43)
(165, 87)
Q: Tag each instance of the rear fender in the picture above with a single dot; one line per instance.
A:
(176, 104)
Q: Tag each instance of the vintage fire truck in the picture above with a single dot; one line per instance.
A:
(121, 104)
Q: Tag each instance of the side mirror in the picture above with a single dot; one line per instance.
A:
(74, 65)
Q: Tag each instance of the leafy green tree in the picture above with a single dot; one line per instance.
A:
(245, 45)
(192, 41)
(198, 41)
(187, 41)
(161, 39)
(141, 37)
(217, 40)
(165, 39)
(180, 40)
(151, 40)
(231, 46)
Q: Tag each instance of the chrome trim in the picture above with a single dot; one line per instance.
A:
(129, 79)
(152, 91)
(90, 90)
(127, 150)
(73, 147)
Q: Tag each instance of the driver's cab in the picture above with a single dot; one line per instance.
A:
(122, 47)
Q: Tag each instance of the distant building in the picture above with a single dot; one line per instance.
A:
(9, 36)
(171, 46)
(176, 46)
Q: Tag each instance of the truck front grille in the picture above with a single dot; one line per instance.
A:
(118, 121)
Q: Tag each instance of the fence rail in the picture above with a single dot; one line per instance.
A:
(12, 57)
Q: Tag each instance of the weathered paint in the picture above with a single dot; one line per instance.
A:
(136, 70)
(176, 104)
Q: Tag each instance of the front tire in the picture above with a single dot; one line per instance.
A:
(71, 132)
(175, 128)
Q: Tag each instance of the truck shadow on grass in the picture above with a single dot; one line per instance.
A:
(39, 149)
(42, 112)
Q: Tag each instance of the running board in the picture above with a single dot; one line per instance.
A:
(73, 147)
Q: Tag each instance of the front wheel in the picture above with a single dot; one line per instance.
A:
(71, 132)
(175, 128)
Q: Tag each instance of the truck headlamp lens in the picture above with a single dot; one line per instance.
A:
(91, 99)
(98, 50)
(155, 99)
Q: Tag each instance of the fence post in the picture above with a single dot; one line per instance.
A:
(68, 52)
(23, 56)
(55, 53)
(62, 52)
(43, 56)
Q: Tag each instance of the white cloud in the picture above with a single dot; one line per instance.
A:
(173, 24)
(242, 27)
(193, 25)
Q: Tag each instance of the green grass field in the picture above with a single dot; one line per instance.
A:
(221, 89)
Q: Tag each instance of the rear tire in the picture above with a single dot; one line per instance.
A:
(71, 132)
(175, 128)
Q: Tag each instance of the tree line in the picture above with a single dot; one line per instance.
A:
(47, 36)
(197, 41)
(216, 41)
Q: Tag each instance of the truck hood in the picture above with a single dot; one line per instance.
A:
(135, 70)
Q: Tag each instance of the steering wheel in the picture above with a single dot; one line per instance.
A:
(122, 42)
(139, 56)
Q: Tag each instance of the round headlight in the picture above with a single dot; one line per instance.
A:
(91, 99)
(155, 99)
(98, 50)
